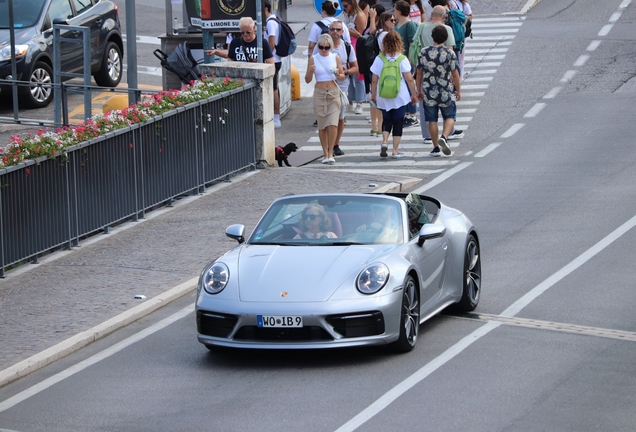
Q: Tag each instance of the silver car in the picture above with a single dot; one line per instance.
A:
(339, 270)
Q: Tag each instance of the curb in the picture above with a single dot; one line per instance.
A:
(407, 183)
(84, 338)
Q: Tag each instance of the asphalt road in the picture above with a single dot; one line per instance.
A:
(551, 188)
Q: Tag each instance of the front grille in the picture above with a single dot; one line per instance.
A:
(215, 324)
(303, 334)
(359, 324)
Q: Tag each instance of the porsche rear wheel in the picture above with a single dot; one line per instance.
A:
(409, 318)
(472, 276)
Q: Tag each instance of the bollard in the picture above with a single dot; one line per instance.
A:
(117, 102)
(295, 82)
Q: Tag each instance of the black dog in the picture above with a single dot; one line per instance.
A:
(283, 152)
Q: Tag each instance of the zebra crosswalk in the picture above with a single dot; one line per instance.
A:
(483, 55)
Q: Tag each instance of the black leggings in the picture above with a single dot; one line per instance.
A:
(393, 120)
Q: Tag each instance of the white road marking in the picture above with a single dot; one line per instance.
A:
(536, 109)
(43, 385)
(443, 177)
(581, 60)
(552, 93)
(535, 292)
(487, 150)
(397, 391)
(605, 30)
(593, 45)
(567, 77)
(615, 16)
(513, 130)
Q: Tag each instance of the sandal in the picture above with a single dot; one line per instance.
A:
(383, 150)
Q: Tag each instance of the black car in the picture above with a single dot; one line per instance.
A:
(33, 24)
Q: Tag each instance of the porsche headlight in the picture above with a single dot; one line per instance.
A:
(20, 51)
(215, 278)
(372, 279)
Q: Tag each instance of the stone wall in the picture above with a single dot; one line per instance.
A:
(264, 106)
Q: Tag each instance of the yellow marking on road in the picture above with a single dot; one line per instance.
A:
(76, 115)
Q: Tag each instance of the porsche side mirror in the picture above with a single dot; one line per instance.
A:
(237, 232)
(429, 231)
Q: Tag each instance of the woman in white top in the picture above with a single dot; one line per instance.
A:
(393, 109)
(326, 68)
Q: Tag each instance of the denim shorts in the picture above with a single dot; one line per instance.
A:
(430, 112)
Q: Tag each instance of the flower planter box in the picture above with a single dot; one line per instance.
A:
(48, 203)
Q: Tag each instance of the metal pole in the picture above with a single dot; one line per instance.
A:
(14, 67)
(131, 47)
(259, 30)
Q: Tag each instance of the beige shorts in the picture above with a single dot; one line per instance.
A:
(327, 106)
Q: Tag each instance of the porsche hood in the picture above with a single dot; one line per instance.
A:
(300, 273)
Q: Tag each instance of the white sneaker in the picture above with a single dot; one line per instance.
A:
(277, 124)
(358, 109)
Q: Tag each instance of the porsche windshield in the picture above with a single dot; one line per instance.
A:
(331, 220)
(25, 13)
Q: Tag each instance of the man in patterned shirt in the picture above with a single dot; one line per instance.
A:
(436, 80)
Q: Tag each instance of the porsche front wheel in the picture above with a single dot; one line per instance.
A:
(472, 276)
(409, 318)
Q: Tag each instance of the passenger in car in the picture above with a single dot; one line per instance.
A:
(384, 225)
(314, 223)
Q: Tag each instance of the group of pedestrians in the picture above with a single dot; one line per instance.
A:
(431, 84)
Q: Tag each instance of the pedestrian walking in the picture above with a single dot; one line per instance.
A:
(355, 21)
(464, 7)
(272, 35)
(416, 12)
(406, 29)
(438, 13)
(349, 61)
(321, 26)
(326, 67)
(438, 87)
(392, 75)
(378, 27)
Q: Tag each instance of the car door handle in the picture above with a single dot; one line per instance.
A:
(99, 21)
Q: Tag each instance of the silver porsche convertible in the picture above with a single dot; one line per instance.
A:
(341, 270)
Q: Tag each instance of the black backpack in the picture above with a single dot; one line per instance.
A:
(367, 49)
(287, 42)
(324, 28)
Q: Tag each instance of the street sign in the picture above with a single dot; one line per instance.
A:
(318, 6)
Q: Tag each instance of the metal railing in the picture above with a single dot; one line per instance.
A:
(46, 204)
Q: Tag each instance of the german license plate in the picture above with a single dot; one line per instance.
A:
(278, 321)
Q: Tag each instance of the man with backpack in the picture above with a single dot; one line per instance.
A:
(272, 35)
(322, 27)
(438, 87)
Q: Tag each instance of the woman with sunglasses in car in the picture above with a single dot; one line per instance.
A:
(326, 67)
(314, 223)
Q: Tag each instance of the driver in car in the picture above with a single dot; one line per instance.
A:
(315, 223)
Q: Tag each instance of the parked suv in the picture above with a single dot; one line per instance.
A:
(33, 24)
